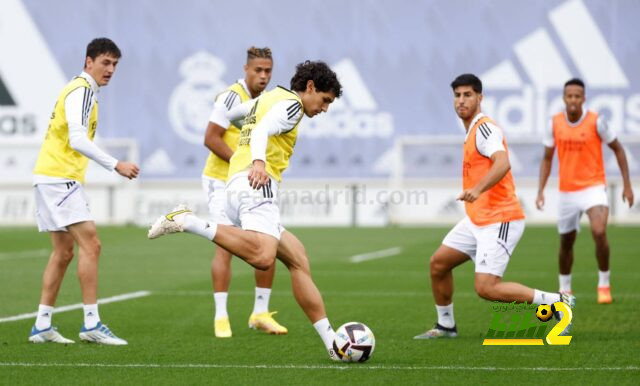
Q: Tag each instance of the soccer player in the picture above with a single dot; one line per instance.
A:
(61, 205)
(494, 222)
(222, 138)
(578, 134)
(267, 140)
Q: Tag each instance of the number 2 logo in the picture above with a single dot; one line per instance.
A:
(554, 338)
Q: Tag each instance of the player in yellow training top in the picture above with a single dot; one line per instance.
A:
(61, 205)
(267, 140)
(222, 138)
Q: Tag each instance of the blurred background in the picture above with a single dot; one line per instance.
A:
(387, 152)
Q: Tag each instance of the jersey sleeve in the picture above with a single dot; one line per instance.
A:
(77, 107)
(489, 139)
(224, 102)
(281, 118)
(547, 135)
(605, 132)
(237, 114)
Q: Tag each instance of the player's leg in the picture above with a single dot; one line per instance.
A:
(93, 330)
(598, 217)
(55, 208)
(261, 318)
(294, 256)
(569, 213)
(221, 278)
(59, 260)
(456, 248)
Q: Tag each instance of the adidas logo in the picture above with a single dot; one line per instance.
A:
(355, 114)
(24, 114)
(523, 107)
(483, 262)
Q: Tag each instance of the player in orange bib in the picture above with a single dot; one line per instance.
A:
(578, 134)
(494, 222)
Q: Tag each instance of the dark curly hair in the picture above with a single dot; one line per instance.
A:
(323, 77)
(101, 46)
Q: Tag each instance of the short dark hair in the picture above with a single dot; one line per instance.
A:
(323, 77)
(574, 82)
(255, 52)
(468, 80)
(101, 46)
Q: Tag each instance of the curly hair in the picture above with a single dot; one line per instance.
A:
(255, 52)
(101, 46)
(323, 77)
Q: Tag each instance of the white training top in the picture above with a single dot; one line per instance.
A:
(606, 133)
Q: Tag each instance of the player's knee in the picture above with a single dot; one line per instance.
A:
(599, 232)
(264, 262)
(437, 266)
(64, 255)
(484, 290)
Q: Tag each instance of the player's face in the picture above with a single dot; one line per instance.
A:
(258, 74)
(101, 68)
(315, 101)
(466, 102)
(573, 98)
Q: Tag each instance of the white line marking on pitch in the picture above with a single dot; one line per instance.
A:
(112, 299)
(313, 367)
(24, 254)
(375, 255)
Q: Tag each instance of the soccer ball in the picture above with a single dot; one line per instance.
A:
(354, 342)
(543, 312)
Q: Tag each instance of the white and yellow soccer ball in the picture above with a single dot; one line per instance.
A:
(354, 342)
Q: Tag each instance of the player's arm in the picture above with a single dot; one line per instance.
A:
(549, 143)
(237, 114)
(490, 146)
(218, 124)
(621, 157)
(77, 114)
(282, 118)
(607, 134)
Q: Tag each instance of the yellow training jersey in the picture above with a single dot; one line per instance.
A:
(57, 158)
(279, 147)
(216, 167)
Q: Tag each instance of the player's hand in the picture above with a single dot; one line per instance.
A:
(627, 195)
(540, 201)
(127, 169)
(469, 195)
(258, 177)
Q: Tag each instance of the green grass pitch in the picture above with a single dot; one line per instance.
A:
(170, 332)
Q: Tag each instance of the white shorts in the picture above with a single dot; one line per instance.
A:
(489, 246)
(255, 210)
(216, 199)
(573, 204)
(59, 205)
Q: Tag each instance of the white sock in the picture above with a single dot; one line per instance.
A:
(198, 226)
(541, 297)
(445, 316)
(261, 303)
(220, 299)
(324, 329)
(91, 316)
(43, 320)
(565, 282)
(603, 278)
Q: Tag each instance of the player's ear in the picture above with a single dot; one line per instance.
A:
(311, 87)
(87, 61)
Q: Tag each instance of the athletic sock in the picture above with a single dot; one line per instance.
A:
(445, 316)
(220, 300)
(603, 278)
(541, 297)
(261, 303)
(200, 227)
(565, 282)
(91, 316)
(324, 329)
(43, 320)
